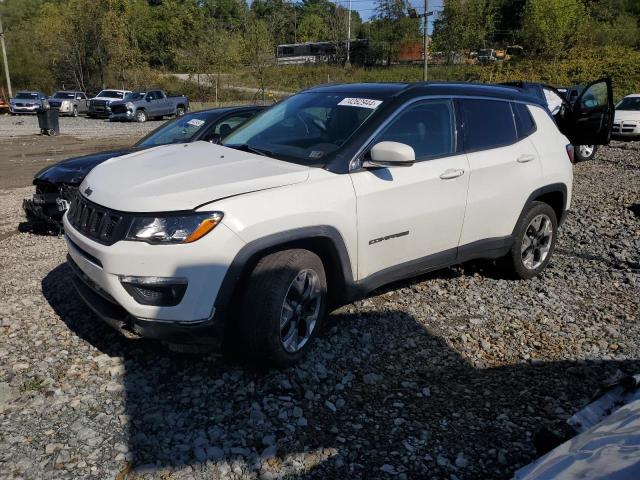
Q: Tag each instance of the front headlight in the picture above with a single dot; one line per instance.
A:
(173, 229)
(66, 103)
(129, 106)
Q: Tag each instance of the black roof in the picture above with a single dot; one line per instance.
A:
(387, 90)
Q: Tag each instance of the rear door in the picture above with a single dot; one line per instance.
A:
(590, 118)
(504, 167)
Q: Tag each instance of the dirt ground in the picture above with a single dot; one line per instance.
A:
(21, 157)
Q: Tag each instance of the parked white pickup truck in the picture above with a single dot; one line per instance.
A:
(319, 200)
(100, 105)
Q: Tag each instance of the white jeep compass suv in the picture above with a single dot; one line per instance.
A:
(317, 201)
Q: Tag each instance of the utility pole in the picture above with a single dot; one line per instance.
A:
(425, 39)
(4, 58)
(425, 35)
(349, 36)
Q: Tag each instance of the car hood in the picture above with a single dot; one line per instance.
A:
(184, 177)
(110, 99)
(627, 115)
(73, 170)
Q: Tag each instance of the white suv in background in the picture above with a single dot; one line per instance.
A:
(317, 201)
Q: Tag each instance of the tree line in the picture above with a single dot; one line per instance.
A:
(88, 44)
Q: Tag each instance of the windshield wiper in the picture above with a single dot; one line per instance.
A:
(246, 148)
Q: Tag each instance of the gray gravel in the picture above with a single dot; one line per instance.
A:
(80, 127)
(446, 376)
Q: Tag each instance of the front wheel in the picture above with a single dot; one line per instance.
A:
(283, 306)
(74, 113)
(141, 116)
(534, 242)
(585, 152)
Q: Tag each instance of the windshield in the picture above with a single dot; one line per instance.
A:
(305, 128)
(133, 96)
(110, 94)
(27, 95)
(180, 130)
(629, 103)
(63, 95)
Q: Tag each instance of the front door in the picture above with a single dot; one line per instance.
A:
(591, 117)
(410, 218)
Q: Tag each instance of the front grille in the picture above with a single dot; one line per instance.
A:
(54, 104)
(96, 222)
(119, 109)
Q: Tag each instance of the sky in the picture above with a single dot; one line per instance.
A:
(367, 8)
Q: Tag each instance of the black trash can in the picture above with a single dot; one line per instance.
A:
(48, 120)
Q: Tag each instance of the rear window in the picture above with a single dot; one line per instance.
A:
(487, 124)
(525, 125)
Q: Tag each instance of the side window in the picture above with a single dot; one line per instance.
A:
(229, 124)
(525, 125)
(595, 96)
(487, 124)
(428, 127)
(151, 96)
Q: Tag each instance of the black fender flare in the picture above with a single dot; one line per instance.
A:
(249, 254)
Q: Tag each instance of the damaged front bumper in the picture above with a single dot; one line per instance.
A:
(48, 204)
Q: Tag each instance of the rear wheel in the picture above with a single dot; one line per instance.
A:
(141, 116)
(534, 242)
(283, 306)
(180, 111)
(585, 152)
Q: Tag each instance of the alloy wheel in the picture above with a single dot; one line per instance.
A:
(586, 150)
(300, 310)
(536, 242)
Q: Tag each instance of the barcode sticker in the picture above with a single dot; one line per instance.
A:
(360, 102)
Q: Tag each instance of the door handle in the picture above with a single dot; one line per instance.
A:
(526, 158)
(452, 173)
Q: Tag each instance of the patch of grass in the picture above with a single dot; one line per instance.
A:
(34, 384)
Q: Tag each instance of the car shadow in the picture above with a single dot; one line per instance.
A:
(364, 403)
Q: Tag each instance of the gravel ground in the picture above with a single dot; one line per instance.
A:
(446, 376)
(81, 127)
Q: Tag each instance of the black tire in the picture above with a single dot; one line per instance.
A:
(141, 116)
(259, 332)
(514, 262)
(582, 153)
(180, 111)
(74, 112)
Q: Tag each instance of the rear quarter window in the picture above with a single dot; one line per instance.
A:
(487, 124)
(525, 125)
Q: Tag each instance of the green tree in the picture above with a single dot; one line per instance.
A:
(258, 49)
(464, 25)
(551, 27)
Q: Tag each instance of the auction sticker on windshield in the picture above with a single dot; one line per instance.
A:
(360, 102)
(195, 122)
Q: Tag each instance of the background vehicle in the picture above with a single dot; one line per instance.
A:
(140, 106)
(317, 201)
(572, 106)
(57, 184)
(626, 125)
(99, 106)
(69, 102)
(26, 102)
(486, 55)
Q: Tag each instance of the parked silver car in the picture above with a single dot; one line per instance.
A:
(69, 102)
(26, 102)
